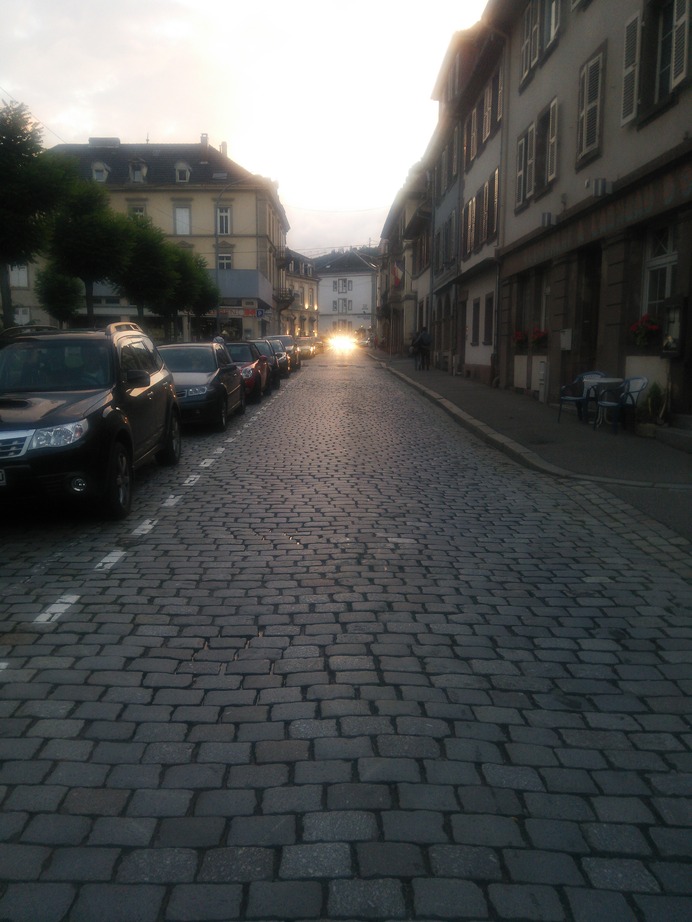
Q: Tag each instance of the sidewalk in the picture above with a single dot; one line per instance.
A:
(529, 432)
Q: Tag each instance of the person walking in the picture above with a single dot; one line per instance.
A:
(415, 351)
(422, 343)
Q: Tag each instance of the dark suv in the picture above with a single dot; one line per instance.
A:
(80, 411)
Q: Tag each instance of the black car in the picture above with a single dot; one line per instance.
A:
(281, 356)
(208, 384)
(292, 350)
(274, 370)
(80, 411)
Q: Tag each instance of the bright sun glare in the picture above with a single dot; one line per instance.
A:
(342, 343)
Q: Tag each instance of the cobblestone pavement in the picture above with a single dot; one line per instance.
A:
(346, 662)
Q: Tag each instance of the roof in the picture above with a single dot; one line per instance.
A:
(363, 259)
(206, 164)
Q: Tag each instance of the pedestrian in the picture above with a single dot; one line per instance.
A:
(415, 351)
(423, 342)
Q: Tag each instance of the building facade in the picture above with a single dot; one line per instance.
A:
(204, 203)
(347, 291)
(301, 317)
(571, 182)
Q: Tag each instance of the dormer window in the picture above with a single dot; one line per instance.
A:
(99, 171)
(182, 171)
(138, 171)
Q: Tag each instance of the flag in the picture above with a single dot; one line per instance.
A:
(397, 274)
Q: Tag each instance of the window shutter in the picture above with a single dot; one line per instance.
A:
(526, 42)
(630, 70)
(551, 159)
(500, 88)
(521, 154)
(487, 110)
(530, 159)
(535, 31)
(680, 42)
(589, 105)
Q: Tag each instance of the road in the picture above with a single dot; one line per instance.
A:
(345, 662)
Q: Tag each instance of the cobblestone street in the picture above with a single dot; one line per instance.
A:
(346, 662)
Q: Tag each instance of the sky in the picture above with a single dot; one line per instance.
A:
(331, 100)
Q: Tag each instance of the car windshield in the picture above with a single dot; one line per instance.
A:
(62, 365)
(186, 359)
(240, 352)
(264, 348)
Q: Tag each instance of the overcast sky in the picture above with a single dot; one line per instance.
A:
(332, 100)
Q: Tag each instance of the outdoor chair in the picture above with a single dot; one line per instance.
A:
(618, 399)
(579, 392)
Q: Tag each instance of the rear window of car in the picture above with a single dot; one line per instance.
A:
(240, 352)
(184, 359)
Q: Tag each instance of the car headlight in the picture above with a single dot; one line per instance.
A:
(197, 391)
(247, 372)
(59, 436)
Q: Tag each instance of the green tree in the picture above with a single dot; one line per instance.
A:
(207, 297)
(33, 185)
(149, 276)
(90, 241)
(61, 295)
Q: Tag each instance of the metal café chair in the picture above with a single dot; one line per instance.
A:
(579, 392)
(618, 399)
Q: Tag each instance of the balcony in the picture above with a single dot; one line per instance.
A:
(284, 296)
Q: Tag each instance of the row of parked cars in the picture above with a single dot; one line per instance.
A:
(80, 411)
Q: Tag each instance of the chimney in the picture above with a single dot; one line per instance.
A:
(224, 149)
(204, 140)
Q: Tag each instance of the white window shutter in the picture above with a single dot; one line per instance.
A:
(680, 42)
(530, 159)
(551, 158)
(630, 70)
(521, 154)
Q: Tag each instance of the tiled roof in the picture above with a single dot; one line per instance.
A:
(206, 164)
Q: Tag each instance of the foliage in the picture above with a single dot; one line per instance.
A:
(61, 295)
(33, 185)
(645, 330)
(148, 277)
(539, 337)
(90, 241)
(655, 406)
(520, 338)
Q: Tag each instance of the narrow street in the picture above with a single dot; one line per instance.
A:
(346, 662)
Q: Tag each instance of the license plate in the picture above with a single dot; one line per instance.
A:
(2, 478)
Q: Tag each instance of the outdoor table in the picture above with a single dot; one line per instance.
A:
(597, 389)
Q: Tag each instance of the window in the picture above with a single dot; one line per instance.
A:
(223, 220)
(225, 261)
(182, 171)
(530, 37)
(487, 111)
(660, 268)
(546, 148)
(99, 171)
(334, 285)
(343, 285)
(138, 171)
(488, 320)
(137, 211)
(672, 46)
(182, 220)
(656, 59)
(589, 116)
(526, 164)
(551, 23)
(476, 322)
(19, 276)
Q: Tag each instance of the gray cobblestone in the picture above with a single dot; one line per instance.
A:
(364, 899)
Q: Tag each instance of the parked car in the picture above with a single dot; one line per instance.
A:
(274, 371)
(81, 411)
(307, 347)
(254, 368)
(208, 385)
(292, 350)
(281, 356)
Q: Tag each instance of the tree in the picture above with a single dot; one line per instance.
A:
(61, 295)
(90, 241)
(33, 185)
(207, 297)
(149, 276)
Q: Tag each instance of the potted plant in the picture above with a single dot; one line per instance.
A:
(520, 338)
(539, 338)
(646, 331)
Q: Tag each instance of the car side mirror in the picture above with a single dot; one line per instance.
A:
(137, 377)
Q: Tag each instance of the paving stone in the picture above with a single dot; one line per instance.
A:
(116, 902)
(36, 902)
(390, 859)
(158, 866)
(468, 861)
(204, 903)
(236, 865)
(82, 864)
(448, 899)
(326, 860)
(284, 900)
(347, 825)
(514, 901)
(366, 899)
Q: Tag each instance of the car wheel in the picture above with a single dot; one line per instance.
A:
(222, 414)
(170, 452)
(117, 497)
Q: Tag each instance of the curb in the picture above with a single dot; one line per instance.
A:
(515, 450)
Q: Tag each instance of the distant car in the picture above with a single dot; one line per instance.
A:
(307, 347)
(274, 371)
(281, 356)
(254, 368)
(292, 350)
(209, 387)
(80, 411)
